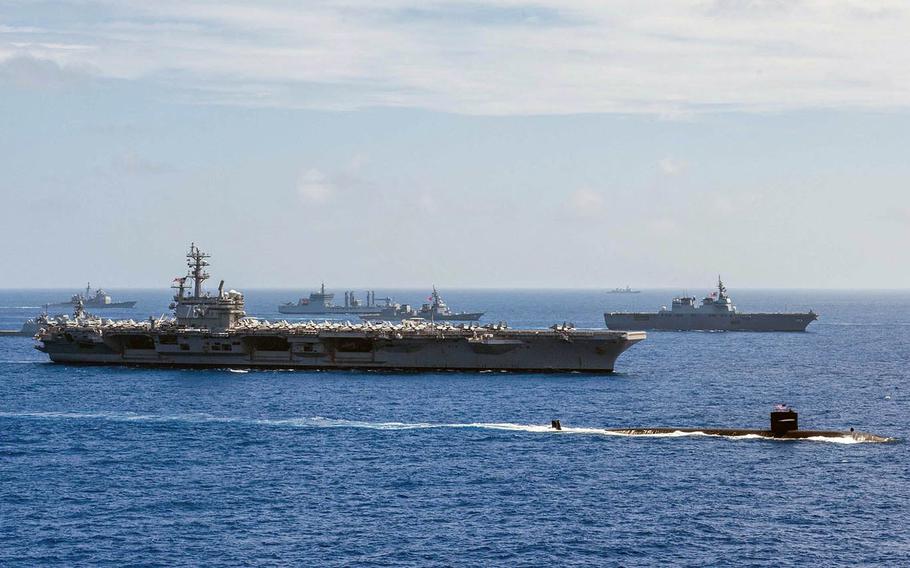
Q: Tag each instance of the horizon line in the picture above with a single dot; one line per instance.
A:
(481, 288)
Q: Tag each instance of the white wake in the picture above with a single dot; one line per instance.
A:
(323, 422)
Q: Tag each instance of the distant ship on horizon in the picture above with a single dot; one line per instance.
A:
(627, 290)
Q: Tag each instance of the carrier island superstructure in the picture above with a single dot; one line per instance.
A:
(212, 330)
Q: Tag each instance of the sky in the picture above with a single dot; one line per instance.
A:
(467, 144)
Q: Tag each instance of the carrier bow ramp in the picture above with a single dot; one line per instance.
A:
(212, 330)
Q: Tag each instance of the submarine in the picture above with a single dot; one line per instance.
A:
(784, 426)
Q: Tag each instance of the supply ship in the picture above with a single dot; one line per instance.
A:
(212, 330)
(716, 313)
(323, 303)
(100, 300)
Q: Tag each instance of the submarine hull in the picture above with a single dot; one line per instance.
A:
(742, 432)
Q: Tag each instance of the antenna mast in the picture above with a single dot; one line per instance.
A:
(197, 263)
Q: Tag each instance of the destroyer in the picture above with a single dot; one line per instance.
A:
(626, 290)
(100, 300)
(322, 303)
(716, 313)
(437, 310)
(213, 330)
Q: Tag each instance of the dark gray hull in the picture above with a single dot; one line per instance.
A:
(465, 316)
(513, 350)
(667, 321)
(321, 311)
(743, 433)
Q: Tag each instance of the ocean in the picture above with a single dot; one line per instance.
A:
(111, 466)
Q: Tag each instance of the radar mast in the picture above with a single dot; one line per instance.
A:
(721, 289)
(197, 263)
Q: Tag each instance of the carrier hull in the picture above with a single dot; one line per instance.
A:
(455, 349)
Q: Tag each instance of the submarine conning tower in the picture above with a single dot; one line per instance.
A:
(783, 420)
(203, 310)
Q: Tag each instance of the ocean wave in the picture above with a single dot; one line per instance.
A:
(323, 422)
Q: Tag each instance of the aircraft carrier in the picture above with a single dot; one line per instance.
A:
(716, 313)
(212, 330)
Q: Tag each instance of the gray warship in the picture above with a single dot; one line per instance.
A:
(323, 303)
(100, 300)
(716, 313)
(627, 290)
(435, 310)
(212, 330)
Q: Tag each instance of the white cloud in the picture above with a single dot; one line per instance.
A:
(314, 187)
(671, 166)
(671, 59)
(28, 72)
(131, 162)
(585, 202)
(734, 203)
(427, 204)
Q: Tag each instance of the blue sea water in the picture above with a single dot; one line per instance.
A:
(163, 467)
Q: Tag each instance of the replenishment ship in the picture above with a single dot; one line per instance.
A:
(323, 303)
(100, 300)
(716, 313)
(212, 330)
